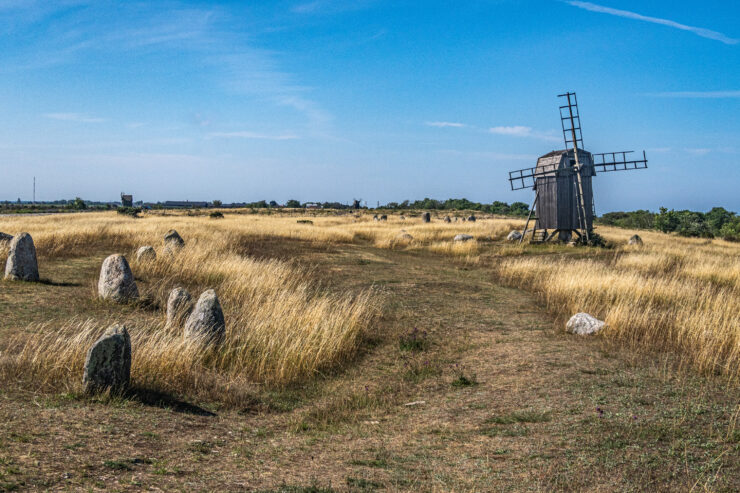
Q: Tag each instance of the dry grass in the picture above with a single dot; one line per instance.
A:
(281, 326)
(670, 294)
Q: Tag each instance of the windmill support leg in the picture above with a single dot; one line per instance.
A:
(529, 217)
(552, 235)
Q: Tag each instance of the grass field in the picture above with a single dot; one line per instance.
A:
(357, 359)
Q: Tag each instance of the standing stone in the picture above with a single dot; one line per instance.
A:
(21, 264)
(173, 241)
(426, 217)
(206, 322)
(584, 324)
(462, 237)
(514, 235)
(108, 361)
(146, 254)
(471, 218)
(116, 281)
(178, 306)
(376, 218)
(384, 217)
(447, 219)
(635, 240)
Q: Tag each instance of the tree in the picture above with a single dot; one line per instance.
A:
(273, 203)
(519, 209)
(217, 203)
(293, 204)
(79, 204)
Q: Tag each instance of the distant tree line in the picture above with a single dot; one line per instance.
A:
(718, 222)
(496, 207)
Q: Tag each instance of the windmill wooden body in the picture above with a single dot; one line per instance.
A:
(564, 201)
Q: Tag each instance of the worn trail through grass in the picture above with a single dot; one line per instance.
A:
(493, 398)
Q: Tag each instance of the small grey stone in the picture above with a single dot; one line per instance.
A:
(462, 237)
(635, 240)
(173, 241)
(471, 218)
(402, 218)
(384, 217)
(146, 254)
(116, 281)
(584, 324)
(22, 264)
(206, 321)
(404, 237)
(426, 217)
(178, 306)
(514, 235)
(447, 219)
(376, 218)
(108, 361)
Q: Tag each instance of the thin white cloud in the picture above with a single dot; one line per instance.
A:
(522, 131)
(699, 31)
(698, 94)
(446, 124)
(251, 135)
(698, 151)
(74, 117)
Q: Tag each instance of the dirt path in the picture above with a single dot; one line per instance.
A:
(501, 402)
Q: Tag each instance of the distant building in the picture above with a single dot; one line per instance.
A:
(127, 200)
(313, 205)
(176, 204)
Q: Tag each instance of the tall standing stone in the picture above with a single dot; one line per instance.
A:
(173, 242)
(447, 219)
(426, 217)
(116, 281)
(471, 218)
(206, 322)
(635, 240)
(146, 254)
(22, 264)
(178, 306)
(108, 361)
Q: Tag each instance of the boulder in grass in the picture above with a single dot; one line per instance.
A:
(116, 281)
(462, 237)
(22, 264)
(146, 254)
(206, 321)
(471, 218)
(514, 235)
(426, 217)
(178, 306)
(376, 218)
(384, 217)
(404, 237)
(173, 242)
(584, 324)
(447, 219)
(635, 240)
(108, 362)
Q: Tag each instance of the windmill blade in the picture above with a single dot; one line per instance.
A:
(525, 177)
(618, 161)
(570, 120)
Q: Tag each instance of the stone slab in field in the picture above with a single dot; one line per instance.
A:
(108, 361)
(584, 324)
(21, 264)
(116, 281)
(206, 321)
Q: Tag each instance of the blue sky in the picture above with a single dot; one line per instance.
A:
(379, 100)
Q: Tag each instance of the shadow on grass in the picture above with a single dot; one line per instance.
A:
(156, 398)
(49, 282)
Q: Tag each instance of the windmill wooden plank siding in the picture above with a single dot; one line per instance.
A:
(557, 205)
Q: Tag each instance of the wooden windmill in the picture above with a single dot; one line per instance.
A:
(561, 180)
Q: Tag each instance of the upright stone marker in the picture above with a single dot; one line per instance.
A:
(178, 306)
(426, 217)
(206, 322)
(116, 281)
(173, 242)
(146, 254)
(108, 361)
(21, 264)
(635, 240)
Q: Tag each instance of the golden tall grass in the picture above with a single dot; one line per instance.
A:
(281, 326)
(671, 293)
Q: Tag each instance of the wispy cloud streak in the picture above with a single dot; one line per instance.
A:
(74, 117)
(699, 31)
(698, 94)
(251, 135)
(446, 124)
(522, 131)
